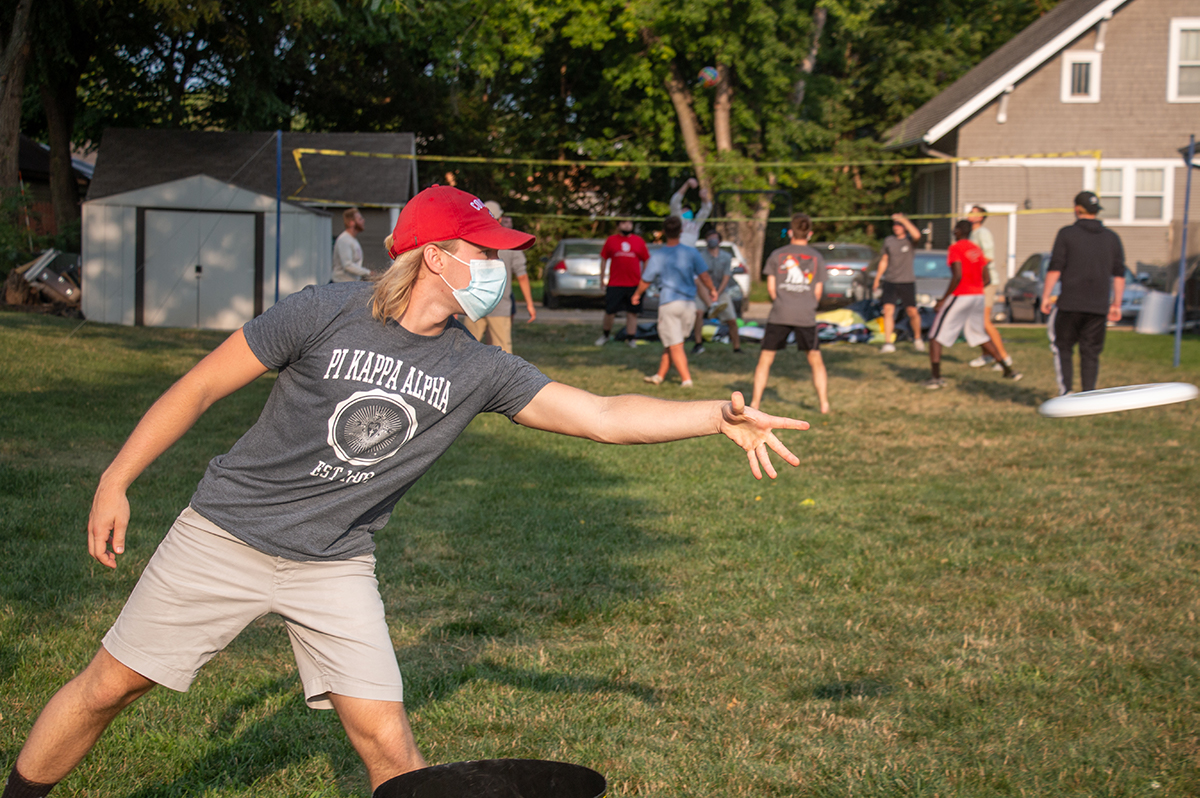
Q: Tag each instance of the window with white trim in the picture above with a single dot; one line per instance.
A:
(1081, 76)
(1132, 192)
(1183, 61)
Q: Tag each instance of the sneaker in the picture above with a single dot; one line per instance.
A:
(684, 384)
(653, 379)
(1007, 362)
(698, 349)
(602, 340)
(981, 361)
(1014, 376)
(933, 383)
(887, 349)
(737, 351)
(919, 345)
(631, 343)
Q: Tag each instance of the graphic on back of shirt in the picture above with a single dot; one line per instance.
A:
(798, 272)
(371, 426)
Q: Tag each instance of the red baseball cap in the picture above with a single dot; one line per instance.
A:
(442, 213)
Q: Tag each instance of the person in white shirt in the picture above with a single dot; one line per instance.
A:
(982, 238)
(691, 223)
(347, 252)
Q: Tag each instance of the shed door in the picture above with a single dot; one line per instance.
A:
(220, 295)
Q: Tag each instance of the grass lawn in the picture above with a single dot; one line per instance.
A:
(976, 601)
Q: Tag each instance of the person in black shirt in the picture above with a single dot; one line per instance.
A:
(1089, 261)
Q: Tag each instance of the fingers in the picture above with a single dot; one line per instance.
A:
(754, 464)
(765, 459)
(738, 402)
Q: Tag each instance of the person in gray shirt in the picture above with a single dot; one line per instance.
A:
(374, 384)
(900, 283)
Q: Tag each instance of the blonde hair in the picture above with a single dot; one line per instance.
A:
(394, 289)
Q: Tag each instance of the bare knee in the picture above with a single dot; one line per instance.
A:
(106, 684)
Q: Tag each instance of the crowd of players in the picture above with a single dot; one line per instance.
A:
(697, 283)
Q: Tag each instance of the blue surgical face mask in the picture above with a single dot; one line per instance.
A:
(486, 289)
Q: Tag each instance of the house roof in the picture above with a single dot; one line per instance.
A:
(133, 159)
(1018, 57)
(34, 161)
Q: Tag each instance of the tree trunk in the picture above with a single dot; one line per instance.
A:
(59, 102)
(752, 232)
(13, 59)
(810, 61)
(722, 105)
(681, 98)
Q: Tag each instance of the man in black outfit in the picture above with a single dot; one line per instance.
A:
(1090, 262)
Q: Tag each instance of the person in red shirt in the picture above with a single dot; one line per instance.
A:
(961, 310)
(621, 261)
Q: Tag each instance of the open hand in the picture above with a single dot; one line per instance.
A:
(754, 432)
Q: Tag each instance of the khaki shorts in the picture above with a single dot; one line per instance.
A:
(675, 321)
(203, 586)
(492, 330)
(989, 296)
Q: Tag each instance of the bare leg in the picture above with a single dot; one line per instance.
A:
(631, 324)
(380, 733)
(698, 328)
(606, 325)
(820, 378)
(679, 360)
(761, 372)
(991, 349)
(734, 337)
(935, 359)
(914, 318)
(889, 322)
(989, 327)
(664, 365)
(75, 717)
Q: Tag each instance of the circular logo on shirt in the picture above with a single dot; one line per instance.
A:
(625, 246)
(371, 426)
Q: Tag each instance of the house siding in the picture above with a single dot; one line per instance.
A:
(1132, 119)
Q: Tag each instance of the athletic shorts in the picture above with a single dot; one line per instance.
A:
(616, 299)
(726, 307)
(676, 321)
(961, 314)
(776, 335)
(203, 586)
(902, 294)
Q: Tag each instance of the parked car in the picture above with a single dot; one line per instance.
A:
(1023, 293)
(739, 274)
(842, 263)
(930, 268)
(573, 270)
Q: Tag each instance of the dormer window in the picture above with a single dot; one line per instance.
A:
(1081, 76)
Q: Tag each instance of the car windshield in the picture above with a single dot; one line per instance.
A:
(845, 253)
(582, 249)
(931, 264)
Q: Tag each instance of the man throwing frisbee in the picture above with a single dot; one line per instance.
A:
(960, 311)
(375, 382)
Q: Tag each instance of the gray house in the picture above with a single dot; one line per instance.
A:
(1096, 95)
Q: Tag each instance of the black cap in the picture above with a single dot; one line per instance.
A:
(1089, 202)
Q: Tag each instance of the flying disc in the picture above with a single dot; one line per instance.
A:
(496, 778)
(1114, 400)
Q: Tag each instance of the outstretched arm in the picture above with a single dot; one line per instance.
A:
(640, 419)
(227, 368)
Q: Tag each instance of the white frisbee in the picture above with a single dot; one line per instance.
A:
(1114, 400)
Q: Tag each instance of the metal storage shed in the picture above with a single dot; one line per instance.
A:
(194, 253)
(179, 226)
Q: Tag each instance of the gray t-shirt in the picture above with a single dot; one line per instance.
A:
(900, 252)
(359, 411)
(982, 238)
(797, 270)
